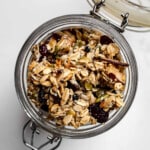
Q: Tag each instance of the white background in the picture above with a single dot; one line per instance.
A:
(18, 18)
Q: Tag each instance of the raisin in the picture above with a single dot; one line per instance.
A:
(56, 36)
(112, 76)
(44, 107)
(40, 58)
(105, 40)
(43, 50)
(56, 99)
(87, 49)
(98, 113)
(74, 87)
(73, 31)
(75, 97)
(51, 58)
(41, 95)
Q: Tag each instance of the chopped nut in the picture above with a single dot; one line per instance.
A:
(108, 103)
(85, 120)
(32, 65)
(118, 86)
(38, 69)
(119, 102)
(54, 108)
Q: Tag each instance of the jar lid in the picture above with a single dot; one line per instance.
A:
(139, 12)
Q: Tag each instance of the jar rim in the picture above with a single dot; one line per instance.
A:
(66, 22)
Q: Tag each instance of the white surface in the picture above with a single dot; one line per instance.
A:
(18, 19)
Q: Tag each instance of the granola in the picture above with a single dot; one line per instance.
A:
(77, 76)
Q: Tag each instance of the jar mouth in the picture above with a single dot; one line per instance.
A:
(82, 21)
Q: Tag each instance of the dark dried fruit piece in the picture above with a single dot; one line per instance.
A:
(41, 95)
(98, 113)
(87, 49)
(56, 99)
(43, 50)
(40, 58)
(105, 40)
(75, 97)
(51, 58)
(73, 86)
(56, 36)
(44, 107)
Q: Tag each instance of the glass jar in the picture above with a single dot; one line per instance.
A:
(70, 21)
(44, 31)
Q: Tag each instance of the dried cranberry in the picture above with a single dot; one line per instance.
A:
(98, 113)
(43, 50)
(112, 76)
(105, 40)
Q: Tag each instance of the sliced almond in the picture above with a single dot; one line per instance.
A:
(65, 96)
(67, 119)
(54, 81)
(38, 69)
(84, 112)
(82, 103)
(55, 108)
(44, 78)
(32, 65)
(75, 56)
(85, 120)
(47, 70)
(84, 72)
(77, 108)
(119, 102)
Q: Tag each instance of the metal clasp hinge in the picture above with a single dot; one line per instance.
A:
(95, 13)
(31, 136)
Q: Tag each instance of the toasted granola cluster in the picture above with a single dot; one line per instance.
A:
(77, 76)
